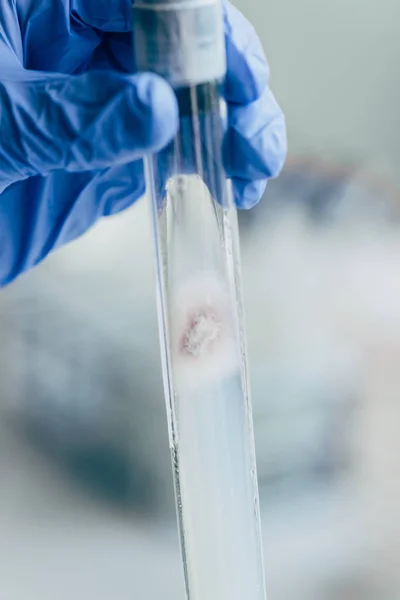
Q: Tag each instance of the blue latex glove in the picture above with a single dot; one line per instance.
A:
(74, 123)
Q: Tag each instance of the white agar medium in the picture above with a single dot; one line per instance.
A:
(217, 503)
(212, 441)
(204, 345)
(205, 376)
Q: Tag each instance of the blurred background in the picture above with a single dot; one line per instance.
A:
(86, 502)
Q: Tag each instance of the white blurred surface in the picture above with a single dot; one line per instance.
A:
(323, 312)
(334, 70)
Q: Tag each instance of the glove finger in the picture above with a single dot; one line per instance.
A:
(248, 71)
(61, 207)
(81, 123)
(255, 145)
(248, 193)
(108, 192)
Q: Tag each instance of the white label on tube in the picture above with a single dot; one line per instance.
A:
(182, 42)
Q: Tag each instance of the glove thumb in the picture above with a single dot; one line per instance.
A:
(81, 123)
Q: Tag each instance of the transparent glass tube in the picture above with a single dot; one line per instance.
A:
(204, 356)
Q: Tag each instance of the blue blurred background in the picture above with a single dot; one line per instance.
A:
(86, 502)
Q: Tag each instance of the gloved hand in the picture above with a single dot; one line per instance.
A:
(74, 123)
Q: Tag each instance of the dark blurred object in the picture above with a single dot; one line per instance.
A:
(326, 194)
(71, 392)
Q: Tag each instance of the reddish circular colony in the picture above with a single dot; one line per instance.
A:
(201, 334)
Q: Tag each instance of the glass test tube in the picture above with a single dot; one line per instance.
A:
(204, 354)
